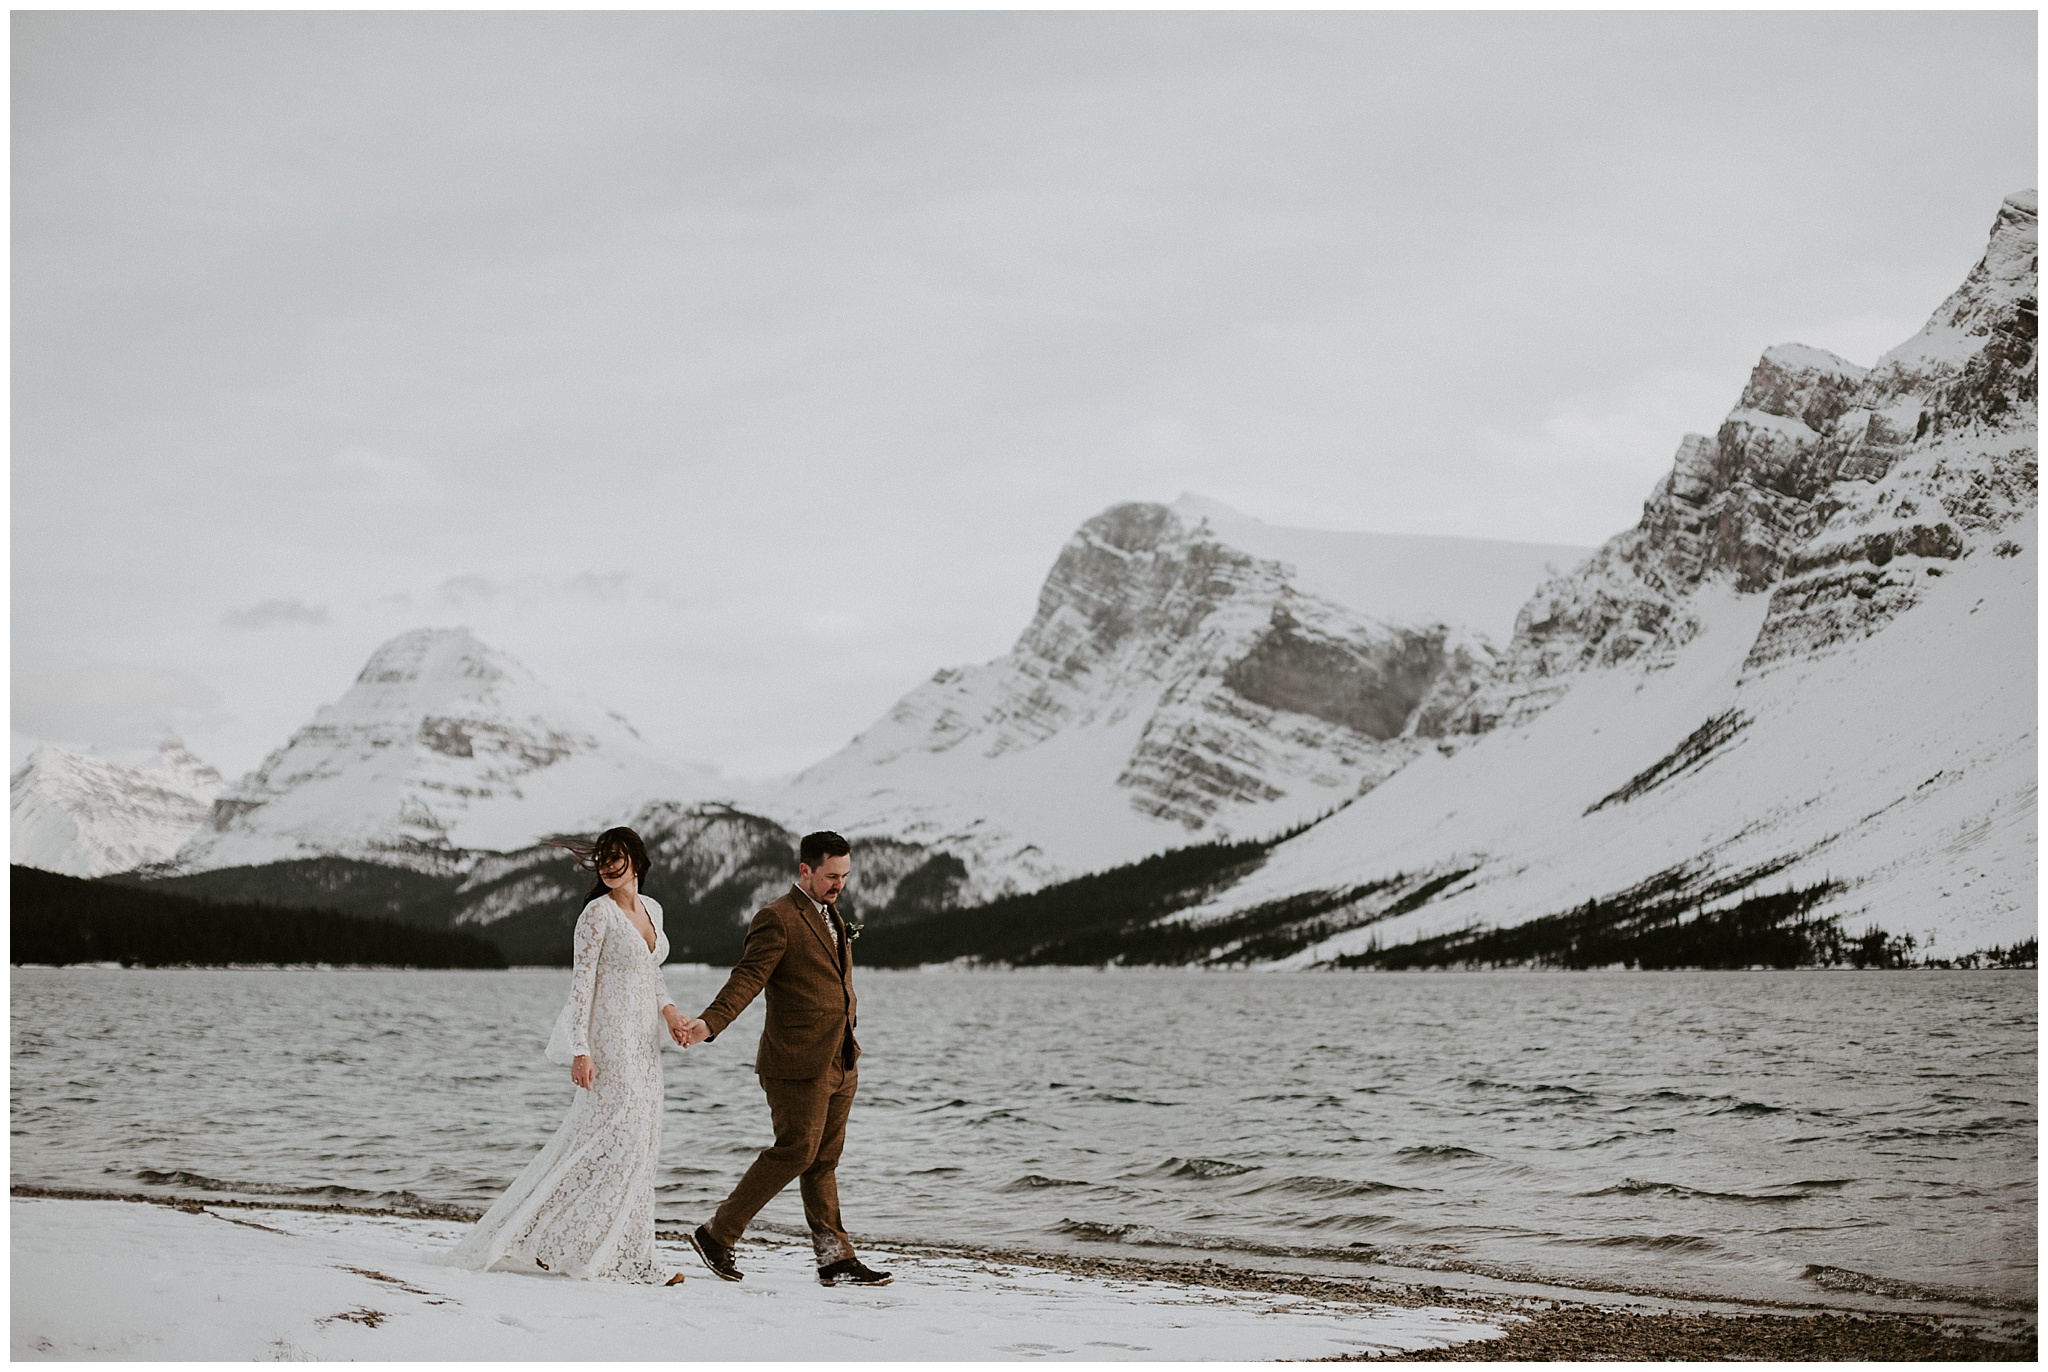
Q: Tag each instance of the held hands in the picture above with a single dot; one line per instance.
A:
(685, 1031)
(581, 1072)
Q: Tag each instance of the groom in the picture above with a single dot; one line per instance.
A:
(798, 950)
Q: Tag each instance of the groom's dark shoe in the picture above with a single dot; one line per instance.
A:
(853, 1272)
(716, 1255)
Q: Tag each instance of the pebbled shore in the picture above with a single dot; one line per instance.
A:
(1444, 1325)
(1540, 1330)
(1590, 1334)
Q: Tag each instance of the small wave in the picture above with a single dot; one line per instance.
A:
(1109, 1098)
(1863, 1283)
(998, 1117)
(1199, 1169)
(199, 1181)
(1541, 1088)
(1727, 1105)
(1437, 1150)
(179, 1179)
(1031, 1181)
(1108, 1233)
(1148, 1236)
(1353, 1222)
(1673, 1191)
(1655, 1243)
(1332, 1188)
(1965, 1129)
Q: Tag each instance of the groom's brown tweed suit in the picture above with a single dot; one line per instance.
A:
(806, 1063)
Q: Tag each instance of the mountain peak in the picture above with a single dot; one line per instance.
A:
(1975, 357)
(443, 744)
(427, 655)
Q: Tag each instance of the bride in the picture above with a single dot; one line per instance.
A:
(585, 1206)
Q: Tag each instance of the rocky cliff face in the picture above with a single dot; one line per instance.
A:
(87, 816)
(1934, 457)
(443, 746)
(1170, 688)
(1803, 682)
(1837, 491)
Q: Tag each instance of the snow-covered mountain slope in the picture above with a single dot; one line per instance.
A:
(87, 816)
(1810, 667)
(1173, 687)
(443, 746)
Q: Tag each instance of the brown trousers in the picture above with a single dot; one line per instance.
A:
(810, 1133)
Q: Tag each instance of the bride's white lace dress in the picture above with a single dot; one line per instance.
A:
(585, 1206)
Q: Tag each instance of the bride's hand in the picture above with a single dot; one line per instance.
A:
(678, 1027)
(581, 1072)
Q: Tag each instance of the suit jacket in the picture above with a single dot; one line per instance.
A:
(811, 1006)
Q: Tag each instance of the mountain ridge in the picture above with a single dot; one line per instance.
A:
(1797, 692)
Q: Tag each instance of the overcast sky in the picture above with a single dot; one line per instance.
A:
(741, 369)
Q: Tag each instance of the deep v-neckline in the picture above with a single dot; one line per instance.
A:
(636, 928)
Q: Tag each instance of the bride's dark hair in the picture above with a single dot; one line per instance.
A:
(593, 855)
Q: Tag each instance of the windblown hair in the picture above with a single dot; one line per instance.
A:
(593, 855)
(819, 846)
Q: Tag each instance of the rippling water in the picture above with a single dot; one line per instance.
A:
(1789, 1135)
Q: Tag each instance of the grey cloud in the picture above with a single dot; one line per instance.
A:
(274, 612)
(476, 588)
(459, 590)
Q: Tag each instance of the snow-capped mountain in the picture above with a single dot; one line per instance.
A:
(1809, 668)
(87, 816)
(1189, 675)
(443, 746)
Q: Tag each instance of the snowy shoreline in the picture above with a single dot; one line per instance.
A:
(99, 1275)
(162, 1279)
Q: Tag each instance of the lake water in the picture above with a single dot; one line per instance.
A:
(1790, 1135)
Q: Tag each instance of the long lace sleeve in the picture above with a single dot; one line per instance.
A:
(661, 945)
(583, 981)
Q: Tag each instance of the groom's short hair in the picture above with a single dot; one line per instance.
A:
(821, 845)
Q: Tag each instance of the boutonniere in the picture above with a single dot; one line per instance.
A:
(853, 927)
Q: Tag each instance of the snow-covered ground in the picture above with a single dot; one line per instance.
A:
(113, 1279)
